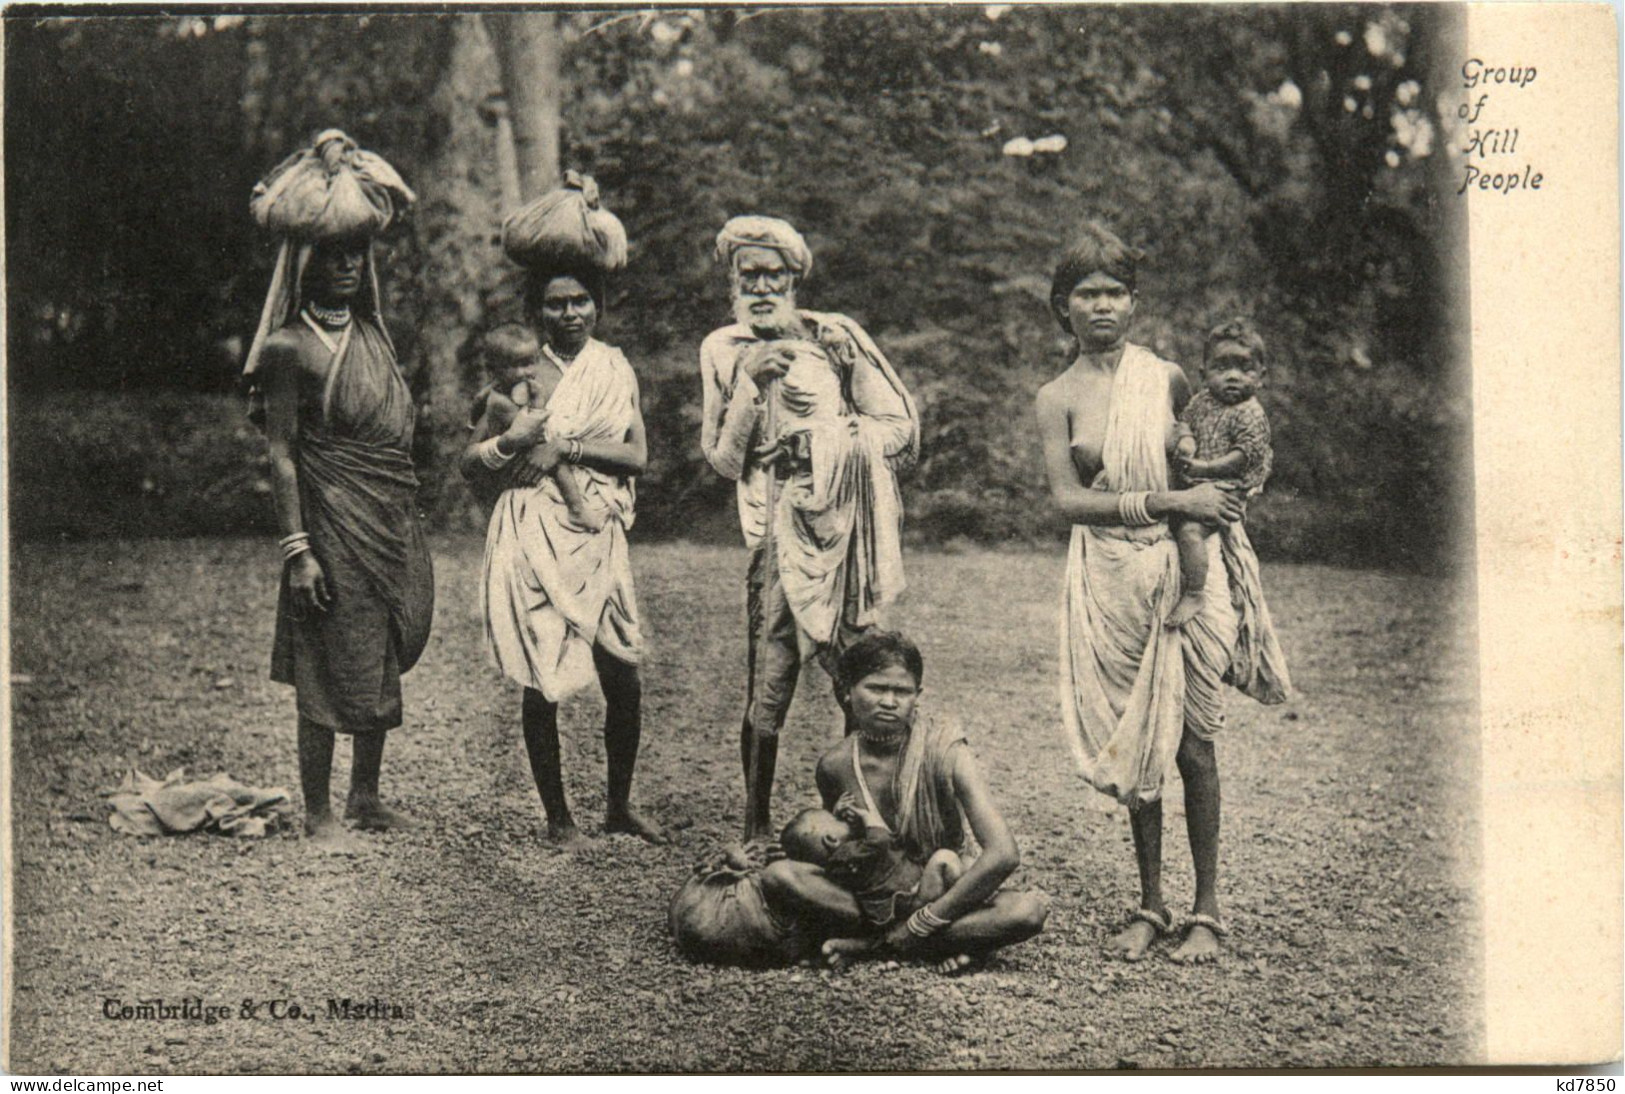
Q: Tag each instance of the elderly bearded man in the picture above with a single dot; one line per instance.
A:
(804, 411)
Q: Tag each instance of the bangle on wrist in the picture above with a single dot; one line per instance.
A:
(1131, 508)
(491, 454)
(294, 545)
(574, 455)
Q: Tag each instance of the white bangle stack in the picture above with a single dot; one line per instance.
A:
(574, 455)
(924, 923)
(294, 545)
(1131, 508)
(492, 456)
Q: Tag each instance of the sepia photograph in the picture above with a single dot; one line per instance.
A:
(881, 538)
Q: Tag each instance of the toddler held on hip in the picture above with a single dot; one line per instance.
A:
(1226, 440)
(522, 378)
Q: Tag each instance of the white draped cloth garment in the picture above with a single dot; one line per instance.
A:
(553, 589)
(1129, 683)
(839, 522)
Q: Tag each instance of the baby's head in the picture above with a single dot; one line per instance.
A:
(509, 354)
(813, 835)
(1233, 361)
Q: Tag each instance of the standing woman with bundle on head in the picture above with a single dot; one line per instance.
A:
(357, 589)
(559, 605)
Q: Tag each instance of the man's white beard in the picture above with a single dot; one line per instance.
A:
(784, 320)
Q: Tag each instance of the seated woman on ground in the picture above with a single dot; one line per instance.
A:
(921, 780)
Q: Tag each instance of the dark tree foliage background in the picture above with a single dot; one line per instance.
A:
(1279, 161)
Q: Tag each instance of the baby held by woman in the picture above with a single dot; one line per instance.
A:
(1225, 438)
(857, 852)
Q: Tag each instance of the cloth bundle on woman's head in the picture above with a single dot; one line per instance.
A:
(566, 229)
(331, 190)
(770, 232)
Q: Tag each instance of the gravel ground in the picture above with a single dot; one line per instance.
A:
(1349, 861)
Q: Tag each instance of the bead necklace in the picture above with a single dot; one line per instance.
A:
(886, 742)
(329, 317)
(561, 363)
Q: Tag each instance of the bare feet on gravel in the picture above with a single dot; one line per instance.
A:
(838, 953)
(1200, 947)
(325, 833)
(1132, 942)
(371, 815)
(567, 837)
(627, 819)
(958, 963)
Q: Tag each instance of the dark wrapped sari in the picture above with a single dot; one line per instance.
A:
(358, 492)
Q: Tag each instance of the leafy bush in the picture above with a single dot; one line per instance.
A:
(1259, 154)
(88, 464)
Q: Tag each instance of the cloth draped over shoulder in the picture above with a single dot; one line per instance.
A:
(838, 528)
(358, 496)
(553, 588)
(1129, 683)
(930, 818)
(282, 303)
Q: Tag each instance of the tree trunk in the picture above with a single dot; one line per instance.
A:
(513, 194)
(459, 265)
(527, 48)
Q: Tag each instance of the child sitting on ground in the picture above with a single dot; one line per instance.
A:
(1228, 442)
(512, 357)
(855, 848)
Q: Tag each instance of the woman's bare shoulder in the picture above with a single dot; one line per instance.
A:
(283, 342)
(1056, 393)
(830, 763)
(1173, 368)
(1065, 394)
(1179, 384)
(288, 347)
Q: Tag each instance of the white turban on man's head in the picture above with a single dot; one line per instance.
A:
(770, 232)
